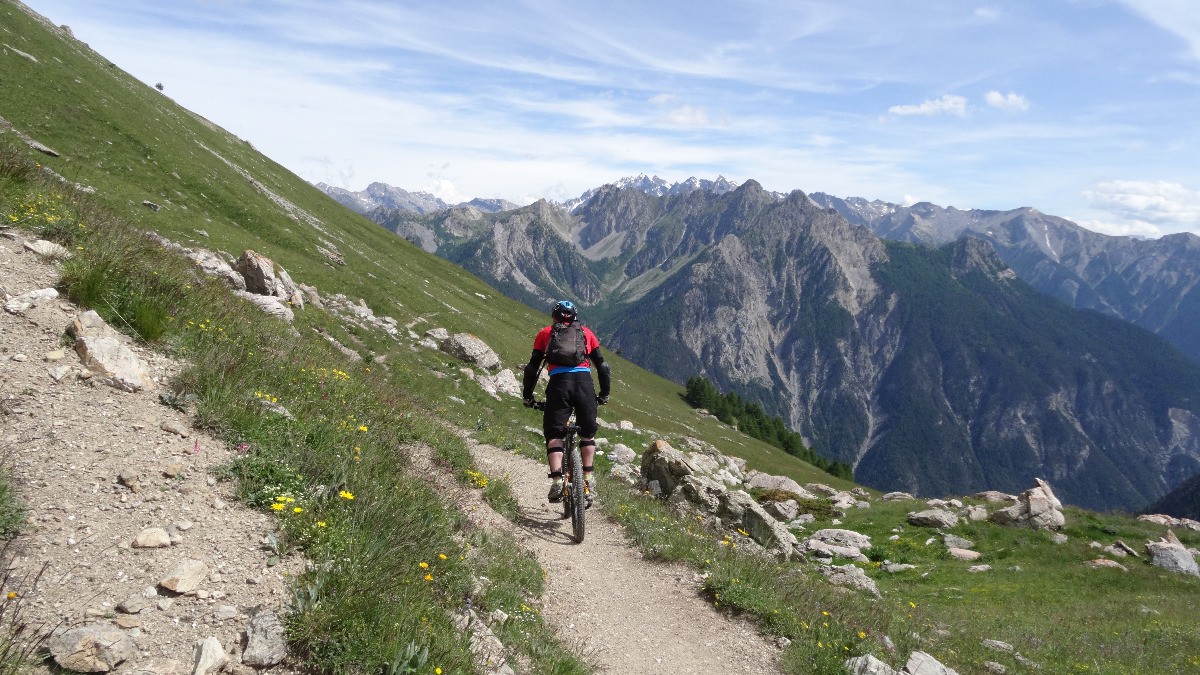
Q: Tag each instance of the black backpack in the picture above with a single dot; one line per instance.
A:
(568, 345)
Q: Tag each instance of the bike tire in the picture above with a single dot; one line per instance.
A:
(578, 494)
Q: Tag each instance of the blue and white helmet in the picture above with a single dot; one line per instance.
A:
(564, 310)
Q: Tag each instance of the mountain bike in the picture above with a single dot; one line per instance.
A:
(575, 488)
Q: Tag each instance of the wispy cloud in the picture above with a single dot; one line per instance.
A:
(950, 104)
(1179, 17)
(1010, 101)
(1165, 205)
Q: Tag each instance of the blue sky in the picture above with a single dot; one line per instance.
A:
(1086, 109)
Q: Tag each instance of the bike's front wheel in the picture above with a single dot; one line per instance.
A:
(578, 496)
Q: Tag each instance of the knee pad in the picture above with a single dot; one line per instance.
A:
(588, 443)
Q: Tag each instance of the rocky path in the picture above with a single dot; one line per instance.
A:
(121, 497)
(628, 615)
(122, 502)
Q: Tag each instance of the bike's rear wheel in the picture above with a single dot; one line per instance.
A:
(578, 496)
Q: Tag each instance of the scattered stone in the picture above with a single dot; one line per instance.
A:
(27, 301)
(57, 374)
(964, 554)
(1059, 538)
(999, 646)
(868, 665)
(115, 363)
(894, 568)
(209, 656)
(175, 427)
(897, 496)
(850, 576)
(939, 518)
(920, 663)
(150, 205)
(979, 568)
(955, 541)
(1100, 563)
(47, 249)
(90, 324)
(994, 496)
(152, 537)
(126, 621)
(621, 454)
(130, 479)
(994, 668)
(225, 613)
(187, 576)
(141, 601)
(974, 513)
(266, 641)
(92, 649)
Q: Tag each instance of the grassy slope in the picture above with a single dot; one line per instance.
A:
(132, 144)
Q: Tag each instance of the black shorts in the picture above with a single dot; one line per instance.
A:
(567, 392)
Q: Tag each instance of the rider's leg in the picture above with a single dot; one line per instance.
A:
(554, 455)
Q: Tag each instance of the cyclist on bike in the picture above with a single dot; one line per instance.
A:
(570, 388)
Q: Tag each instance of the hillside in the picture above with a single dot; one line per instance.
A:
(1151, 283)
(351, 438)
(931, 371)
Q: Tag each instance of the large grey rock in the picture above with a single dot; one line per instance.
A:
(705, 493)
(505, 382)
(920, 663)
(1170, 554)
(213, 265)
(115, 363)
(266, 641)
(666, 465)
(467, 347)
(91, 324)
(868, 665)
(1036, 508)
(939, 518)
(92, 649)
(264, 277)
(152, 537)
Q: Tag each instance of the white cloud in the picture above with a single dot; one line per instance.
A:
(1126, 228)
(1181, 17)
(1010, 101)
(950, 104)
(688, 116)
(986, 13)
(1162, 205)
(664, 99)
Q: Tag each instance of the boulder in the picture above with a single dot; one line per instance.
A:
(1170, 554)
(666, 465)
(897, 496)
(939, 518)
(964, 554)
(91, 324)
(213, 265)
(264, 277)
(1036, 508)
(467, 347)
(92, 649)
(269, 304)
(705, 493)
(994, 496)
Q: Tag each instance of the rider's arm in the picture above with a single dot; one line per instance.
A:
(531, 373)
(602, 371)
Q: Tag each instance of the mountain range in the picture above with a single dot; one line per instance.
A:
(923, 358)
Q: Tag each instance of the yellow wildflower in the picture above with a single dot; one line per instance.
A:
(423, 565)
(346, 494)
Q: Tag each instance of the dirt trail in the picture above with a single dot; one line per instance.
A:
(630, 616)
(68, 439)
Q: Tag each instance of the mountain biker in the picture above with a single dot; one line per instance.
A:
(570, 388)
